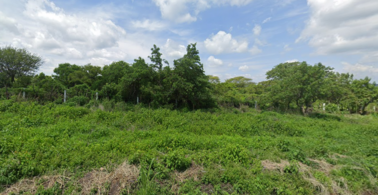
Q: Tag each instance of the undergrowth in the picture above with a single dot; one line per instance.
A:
(216, 152)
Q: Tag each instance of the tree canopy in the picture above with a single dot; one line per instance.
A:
(16, 62)
(296, 86)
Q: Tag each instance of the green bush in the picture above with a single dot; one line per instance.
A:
(176, 160)
(78, 100)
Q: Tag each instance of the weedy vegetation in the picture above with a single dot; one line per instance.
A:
(130, 149)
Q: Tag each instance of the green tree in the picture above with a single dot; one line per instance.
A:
(190, 84)
(240, 81)
(136, 78)
(18, 62)
(63, 71)
(338, 88)
(365, 92)
(115, 71)
(156, 58)
(298, 82)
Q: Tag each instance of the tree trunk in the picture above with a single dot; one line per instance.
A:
(309, 109)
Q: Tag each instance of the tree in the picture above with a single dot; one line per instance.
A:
(338, 88)
(136, 78)
(298, 82)
(15, 63)
(62, 73)
(156, 58)
(365, 93)
(190, 84)
(240, 81)
(115, 71)
(18, 62)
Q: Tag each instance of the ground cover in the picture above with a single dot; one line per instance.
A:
(61, 149)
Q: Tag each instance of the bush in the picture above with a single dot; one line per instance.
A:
(176, 160)
(79, 100)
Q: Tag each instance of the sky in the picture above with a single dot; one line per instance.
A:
(234, 37)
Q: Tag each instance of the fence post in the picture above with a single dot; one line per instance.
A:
(65, 96)
(323, 106)
(137, 99)
(96, 96)
(23, 94)
(256, 105)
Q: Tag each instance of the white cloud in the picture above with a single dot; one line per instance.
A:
(175, 10)
(255, 50)
(149, 25)
(359, 68)
(292, 61)
(244, 68)
(267, 20)
(287, 48)
(181, 11)
(173, 50)
(73, 53)
(213, 62)
(342, 26)
(257, 30)
(100, 61)
(8, 24)
(53, 33)
(223, 42)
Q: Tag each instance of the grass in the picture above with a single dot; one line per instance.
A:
(59, 149)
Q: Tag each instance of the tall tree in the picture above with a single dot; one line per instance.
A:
(190, 83)
(298, 82)
(115, 71)
(156, 58)
(18, 62)
(365, 92)
(15, 63)
(63, 71)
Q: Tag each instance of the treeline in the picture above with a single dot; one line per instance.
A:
(290, 86)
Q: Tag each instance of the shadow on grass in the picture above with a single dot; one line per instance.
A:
(326, 117)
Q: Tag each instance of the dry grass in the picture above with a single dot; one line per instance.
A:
(110, 183)
(273, 166)
(31, 185)
(193, 172)
(123, 176)
(336, 187)
(106, 182)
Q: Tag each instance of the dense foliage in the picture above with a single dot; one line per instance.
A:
(221, 151)
(295, 86)
(143, 128)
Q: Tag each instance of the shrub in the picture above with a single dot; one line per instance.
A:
(78, 100)
(176, 160)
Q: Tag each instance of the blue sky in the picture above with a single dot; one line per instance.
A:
(234, 37)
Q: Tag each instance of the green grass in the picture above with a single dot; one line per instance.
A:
(227, 145)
